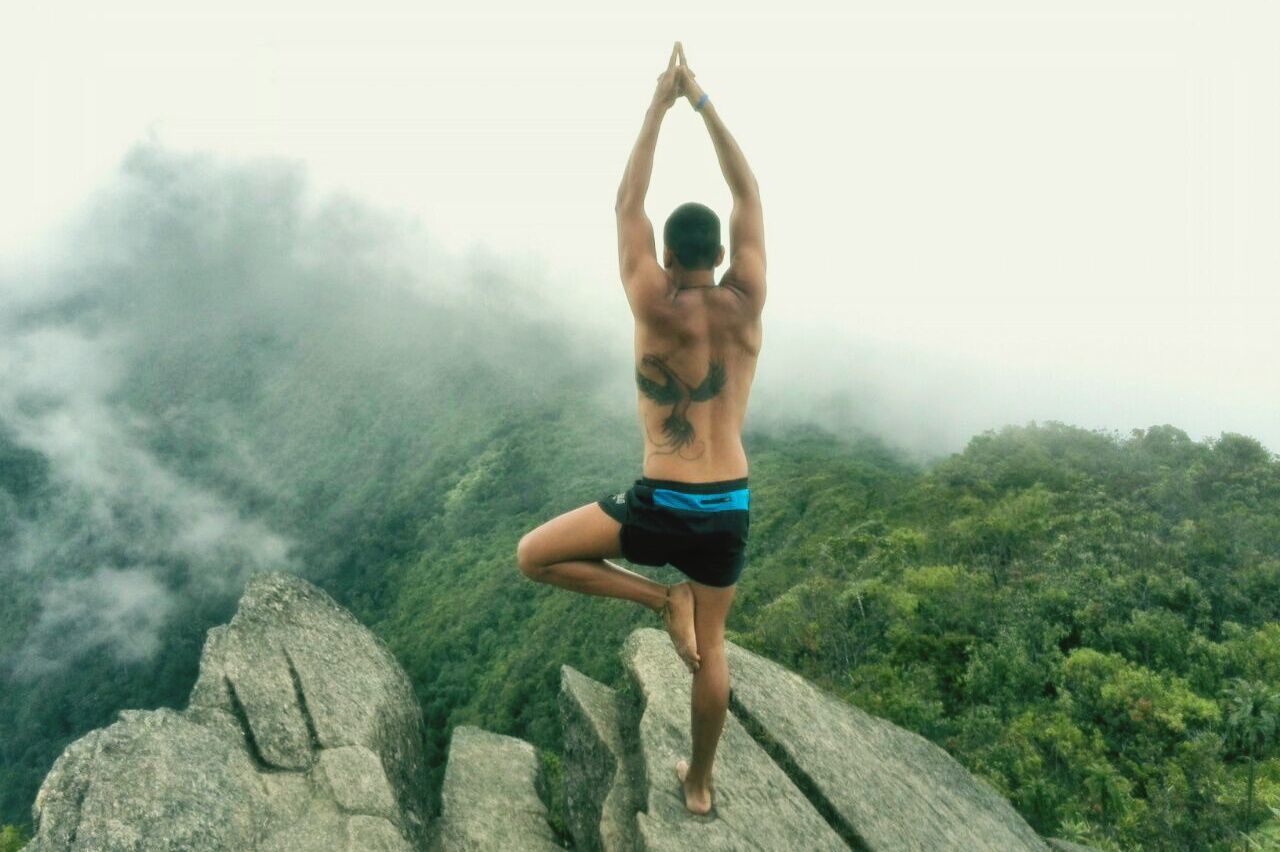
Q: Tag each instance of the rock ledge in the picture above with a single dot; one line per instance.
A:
(303, 734)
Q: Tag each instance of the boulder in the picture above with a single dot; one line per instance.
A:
(302, 733)
(152, 780)
(755, 805)
(887, 786)
(601, 762)
(490, 797)
(304, 675)
(795, 768)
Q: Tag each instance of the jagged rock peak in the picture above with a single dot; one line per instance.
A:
(302, 733)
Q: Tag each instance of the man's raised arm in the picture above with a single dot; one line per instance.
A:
(635, 231)
(642, 277)
(746, 271)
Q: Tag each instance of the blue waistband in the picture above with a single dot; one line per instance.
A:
(714, 502)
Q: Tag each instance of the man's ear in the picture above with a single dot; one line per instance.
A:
(720, 256)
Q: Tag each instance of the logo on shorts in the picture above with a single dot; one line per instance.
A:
(620, 498)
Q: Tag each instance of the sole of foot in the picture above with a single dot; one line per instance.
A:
(700, 805)
(677, 615)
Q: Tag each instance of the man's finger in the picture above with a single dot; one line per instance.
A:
(680, 48)
(675, 53)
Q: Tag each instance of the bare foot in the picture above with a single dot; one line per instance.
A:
(696, 801)
(677, 615)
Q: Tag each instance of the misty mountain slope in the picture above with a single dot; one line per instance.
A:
(221, 378)
(217, 379)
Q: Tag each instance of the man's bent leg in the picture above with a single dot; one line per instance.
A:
(569, 551)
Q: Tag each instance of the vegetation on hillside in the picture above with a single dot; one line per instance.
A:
(1089, 621)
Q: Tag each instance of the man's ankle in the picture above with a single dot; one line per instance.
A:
(694, 781)
(661, 605)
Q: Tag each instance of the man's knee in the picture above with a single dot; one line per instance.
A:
(526, 559)
(710, 646)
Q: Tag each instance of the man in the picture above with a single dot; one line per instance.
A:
(696, 344)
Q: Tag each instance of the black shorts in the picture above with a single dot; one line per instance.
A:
(698, 527)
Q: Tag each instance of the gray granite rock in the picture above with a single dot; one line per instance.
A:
(490, 800)
(302, 734)
(151, 781)
(319, 825)
(600, 763)
(355, 777)
(754, 805)
(256, 682)
(889, 787)
(374, 834)
(305, 675)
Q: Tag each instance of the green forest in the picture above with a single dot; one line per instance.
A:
(1092, 624)
(1088, 620)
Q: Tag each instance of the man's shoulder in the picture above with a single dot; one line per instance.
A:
(748, 294)
(649, 292)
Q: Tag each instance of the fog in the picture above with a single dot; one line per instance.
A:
(976, 213)
(211, 346)
(975, 216)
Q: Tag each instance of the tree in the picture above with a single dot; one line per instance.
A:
(1253, 726)
(12, 839)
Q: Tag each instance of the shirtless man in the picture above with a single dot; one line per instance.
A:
(696, 344)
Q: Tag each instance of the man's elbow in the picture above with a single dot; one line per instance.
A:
(748, 190)
(627, 200)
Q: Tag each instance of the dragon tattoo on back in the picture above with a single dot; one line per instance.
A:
(676, 392)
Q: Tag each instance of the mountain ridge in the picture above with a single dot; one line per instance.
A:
(303, 733)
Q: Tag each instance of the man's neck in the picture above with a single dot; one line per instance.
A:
(694, 282)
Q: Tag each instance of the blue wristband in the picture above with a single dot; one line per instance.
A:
(702, 100)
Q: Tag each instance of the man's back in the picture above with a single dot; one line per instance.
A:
(695, 358)
(696, 343)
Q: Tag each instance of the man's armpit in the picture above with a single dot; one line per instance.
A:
(646, 292)
(749, 296)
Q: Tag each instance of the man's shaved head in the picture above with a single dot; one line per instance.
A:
(692, 232)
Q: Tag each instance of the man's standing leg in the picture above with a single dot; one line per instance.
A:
(710, 695)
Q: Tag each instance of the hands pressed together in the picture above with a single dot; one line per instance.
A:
(677, 81)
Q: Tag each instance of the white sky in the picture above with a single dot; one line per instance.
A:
(1004, 210)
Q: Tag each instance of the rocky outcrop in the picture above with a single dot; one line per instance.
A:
(607, 776)
(303, 734)
(755, 802)
(885, 786)
(490, 798)
(795, 768)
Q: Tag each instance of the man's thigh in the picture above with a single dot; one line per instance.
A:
(582, 533)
